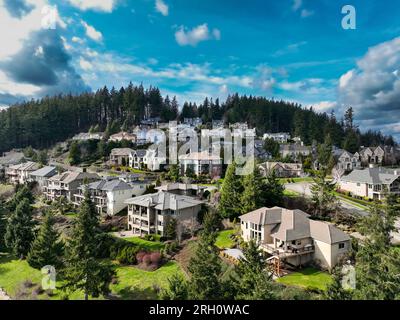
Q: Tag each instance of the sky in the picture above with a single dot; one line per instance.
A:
(296, 50)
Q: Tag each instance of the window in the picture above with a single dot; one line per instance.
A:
(341, 245)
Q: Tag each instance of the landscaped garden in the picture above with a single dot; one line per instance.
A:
(308, 278)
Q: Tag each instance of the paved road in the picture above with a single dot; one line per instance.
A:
(303, 188)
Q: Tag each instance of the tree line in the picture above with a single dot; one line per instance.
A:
(44, 122)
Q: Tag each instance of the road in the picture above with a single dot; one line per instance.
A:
(303, 188)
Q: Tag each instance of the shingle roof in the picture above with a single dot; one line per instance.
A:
(109, 185)
(47, 171)
(295, 224)
(69, 176)
(164, 201)
(32, 166)
(121, 151)
(204, 155)
(372, 176)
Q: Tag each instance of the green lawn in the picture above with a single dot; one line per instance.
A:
(147, 245)
(137, 284)
(5, 189)
(296, 180)
(223, 239)
(308, 278)
(290, 193)
(133, 283)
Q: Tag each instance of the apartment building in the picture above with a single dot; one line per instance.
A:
(20, 173)
(40, 176)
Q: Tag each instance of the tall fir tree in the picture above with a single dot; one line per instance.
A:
(323, 198)
(20, 230)
(273, 191)
(231, 191)
(254, 192)
(47, 248)
(83, 271)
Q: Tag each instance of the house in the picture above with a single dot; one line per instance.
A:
(216, 124)
(66, 184)
(150, 122)
(193, 122)
(201, 163)
(88, 136)
(281, 137)
(120, 156)
(347, 161)
(294, 150)
(20, 173)
(385, 155)
(40, 176)
(123, 136)
(108, 195)
(291, 237)
(137, 159)
(282, 170)
(150, 213)
(153, 160)
(183, 189)
(372, 183)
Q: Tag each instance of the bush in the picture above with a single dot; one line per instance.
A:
(147, 259)
(155, 258)
(140, 256)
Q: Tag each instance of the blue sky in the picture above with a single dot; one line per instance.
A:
(295, 50)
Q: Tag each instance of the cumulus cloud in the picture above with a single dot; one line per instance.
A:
(92, 33)
(185, 37)
(162, 7)
(373, 87)
(18, 8)
(96, 5)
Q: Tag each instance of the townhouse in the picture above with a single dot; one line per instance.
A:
(372, 183)
(20, 173)
(40, 176)
(281, 169)
(66, 184)
(151, 213)
(291, 237)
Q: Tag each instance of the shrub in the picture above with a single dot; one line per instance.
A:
(140, 256)
(147, 259)
(155, 257)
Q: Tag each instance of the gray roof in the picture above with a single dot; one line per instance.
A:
(46, 172)
(109, 185)
(121, 151)
(140, 153)
(373, 176)
(295, 224)
(26, 166)
(180, 186)
(70, 176)
(164, 201)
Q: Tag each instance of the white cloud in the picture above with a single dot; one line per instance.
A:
(198, 34)
(8, 86)
(306, 13)
(297, 4)
(162, 7)
(77, 40)
(96, 5)
(85, 65)
(92, 33)
(324, 106)
(344, 79)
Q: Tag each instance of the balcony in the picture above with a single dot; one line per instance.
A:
(291, 250)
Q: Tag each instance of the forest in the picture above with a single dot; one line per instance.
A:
(44, 122)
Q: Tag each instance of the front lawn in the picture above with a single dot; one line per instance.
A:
(296, 180)
(223, 239)
(308, 278)
(136, 284)
(145, 244)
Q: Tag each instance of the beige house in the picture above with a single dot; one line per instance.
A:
(150, 214)
(378, 155)
(372, 183)
(20, 173)
(282, 170)
(201, 163)
(346, 161)
(292, 238)
(118, 137)
(120, 156)
(66, 184)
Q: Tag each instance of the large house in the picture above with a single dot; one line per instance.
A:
(294, 150)
(85, 136)
(150, 214)
(201, 163)
(385, 155)
(346, 161)
(372, 183)
(108, 195)
(137, 159)
(291, 237)
(281, 137)
(281, 169)
(40, 176)
(120, 156)
(20, 173)
(66, 184)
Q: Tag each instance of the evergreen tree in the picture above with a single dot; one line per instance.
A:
(173, 172)
(254, 281)
(20, 229)
(325, 155)
(253, 196)
(177, 288)
(324, 200)
(273, 191)
(377, 262)
(43, 158)
(22, 192)
(273, 147)
(3, 224)
(74, 153)
(170, 229)
(335, 290)
(231, 190)
(47, 248)
(83, 271)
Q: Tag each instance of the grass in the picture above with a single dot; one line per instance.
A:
(357, 202)
(223, 239)
(133, 283)
(290, 193)
(137, 284)
(5, 189)
(296, 180)
(145, 244)
(308, 278)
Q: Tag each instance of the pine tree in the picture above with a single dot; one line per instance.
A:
(253, 280)
(253, 196)
(323, 198)
(74, 153)
(47, 248)
(273, 191)
(170, 229)
(83, 271)
(177, 288)
(231, 190)
(173, 172)
(20, 230)
(335, 290)
(22, 192)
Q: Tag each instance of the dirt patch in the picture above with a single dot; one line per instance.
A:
(185, 254)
